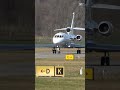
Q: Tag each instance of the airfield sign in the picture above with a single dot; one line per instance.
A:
(49, 71)
(59, 71)
(89, 73)
(44, 71)
(69, 57)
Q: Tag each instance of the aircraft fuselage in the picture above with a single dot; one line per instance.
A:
(63, 39)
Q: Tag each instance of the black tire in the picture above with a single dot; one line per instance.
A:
(54, 51)
(107, 61)
(103, 61)
(78, 51)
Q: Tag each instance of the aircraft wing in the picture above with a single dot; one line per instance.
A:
(52, 45)
(77, 28)
(60, 29)
(44, 45)
(106, 6)
(79, 46)
(103, 47)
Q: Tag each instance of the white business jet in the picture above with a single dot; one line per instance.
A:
(66, 39)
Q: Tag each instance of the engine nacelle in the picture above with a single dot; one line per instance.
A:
(105, 28)
(68, 30)
(78, 37)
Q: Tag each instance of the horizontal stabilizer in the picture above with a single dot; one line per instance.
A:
(77, 28)
(62, 29)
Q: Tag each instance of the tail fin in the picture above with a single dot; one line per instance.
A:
(72, 24)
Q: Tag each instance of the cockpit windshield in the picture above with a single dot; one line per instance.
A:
(58, 36)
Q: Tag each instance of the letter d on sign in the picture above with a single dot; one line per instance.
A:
(47, 71)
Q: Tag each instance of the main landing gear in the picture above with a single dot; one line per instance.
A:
(57, 50)
(78, 51)
(105, 60)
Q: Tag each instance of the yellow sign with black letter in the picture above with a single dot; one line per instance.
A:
(44, 71)
(56, 71)
(59, 71)
(89, 73)
(69, 57)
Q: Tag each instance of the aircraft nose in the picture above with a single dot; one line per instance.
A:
(56, 40)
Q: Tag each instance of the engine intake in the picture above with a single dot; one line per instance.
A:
(78, 37)
(68, 30)
(105, 28)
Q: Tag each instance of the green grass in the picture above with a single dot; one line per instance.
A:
(61, 83)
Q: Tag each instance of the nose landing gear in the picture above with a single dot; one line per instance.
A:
(55, 50)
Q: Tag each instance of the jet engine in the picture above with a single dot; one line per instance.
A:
(78, 37)
(68, 29)
(105, 28)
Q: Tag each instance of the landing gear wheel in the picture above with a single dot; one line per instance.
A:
(107, 61)
(102, 61)
(54, 51)
(78, 51)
